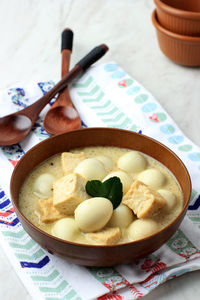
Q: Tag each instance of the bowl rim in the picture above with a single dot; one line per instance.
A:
(182, 212)
(176, 36)
(177, 12)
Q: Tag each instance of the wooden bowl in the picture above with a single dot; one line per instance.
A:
(90, 255)
(181, 49)
(179, 16)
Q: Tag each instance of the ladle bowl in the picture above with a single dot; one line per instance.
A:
(12, 126)
(65, 118)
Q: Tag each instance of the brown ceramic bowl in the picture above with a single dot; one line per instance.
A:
(99, 255)
(179, 16)
(181, 49)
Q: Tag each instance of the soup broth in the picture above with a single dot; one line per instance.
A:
(149, 174)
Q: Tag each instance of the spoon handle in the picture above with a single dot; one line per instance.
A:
(67, 39)
(33, 110)
(66, 49)
(92, 56)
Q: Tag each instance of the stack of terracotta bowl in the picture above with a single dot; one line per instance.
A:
(177, 24)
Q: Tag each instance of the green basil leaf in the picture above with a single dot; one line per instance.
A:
(114, 190)
(110, 189)
(93, 187)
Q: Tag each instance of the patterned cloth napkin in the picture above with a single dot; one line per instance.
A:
(105, 96)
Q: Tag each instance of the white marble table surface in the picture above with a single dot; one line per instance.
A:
(30, 51)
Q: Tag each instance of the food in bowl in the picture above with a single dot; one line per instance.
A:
(101, 195)
(93, 254)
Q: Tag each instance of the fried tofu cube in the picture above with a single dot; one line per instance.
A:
(69, 161)
(144, 201)
(69, 192)
(48, 213)
(107, 236)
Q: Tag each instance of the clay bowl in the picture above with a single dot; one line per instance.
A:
(99, 255)
(179, 16)
(181, 49)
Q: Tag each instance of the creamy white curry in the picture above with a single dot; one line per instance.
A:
(54, 196)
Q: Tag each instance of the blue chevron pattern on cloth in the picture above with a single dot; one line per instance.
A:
(196, 204)
(5, 203)
(39, 265)
(12, 223)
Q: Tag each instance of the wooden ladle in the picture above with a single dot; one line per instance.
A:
(15, 127)
(63, 116)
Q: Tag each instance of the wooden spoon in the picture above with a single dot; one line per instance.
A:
(15, 127)
(63, 116)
